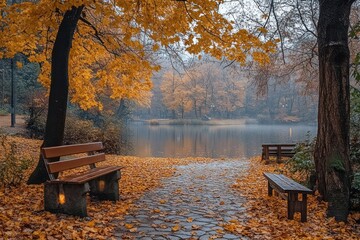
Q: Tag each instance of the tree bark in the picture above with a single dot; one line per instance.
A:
(332, 145)
(55, 123)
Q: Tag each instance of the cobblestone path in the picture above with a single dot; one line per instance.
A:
(191, 205)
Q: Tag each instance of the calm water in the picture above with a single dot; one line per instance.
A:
(233, 141)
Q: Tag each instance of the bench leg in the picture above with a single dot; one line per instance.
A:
(270, 189)
(278, 156)
(304, 207)
(292, 199)
(66, 198)
(267, 154)
(106, 187)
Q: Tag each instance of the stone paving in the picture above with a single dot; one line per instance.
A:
(194, 204)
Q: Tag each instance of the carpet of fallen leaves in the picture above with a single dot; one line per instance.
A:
(22, 214)
(267, 216)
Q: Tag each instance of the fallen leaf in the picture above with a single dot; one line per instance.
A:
(175, 228)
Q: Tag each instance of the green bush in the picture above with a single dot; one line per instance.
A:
(302, 162)
(354, 125)
(355, 192)
(356, 181)
(12, 164)
(3, 112)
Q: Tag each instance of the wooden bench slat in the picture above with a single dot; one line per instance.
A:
(58, 151)
(81, 178)
(286, 184)
(55, 167)
(277, 144)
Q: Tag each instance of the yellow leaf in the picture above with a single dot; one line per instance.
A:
(19, 65)
(91, 223)
(132, 230)
(129, 225)
(175, 228)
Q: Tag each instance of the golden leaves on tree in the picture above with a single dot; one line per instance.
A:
(113, 48)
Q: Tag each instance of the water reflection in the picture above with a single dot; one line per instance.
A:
(232, 141)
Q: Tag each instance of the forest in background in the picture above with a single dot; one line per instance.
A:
(192, 88)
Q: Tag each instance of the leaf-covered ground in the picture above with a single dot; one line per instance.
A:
(22, 215)
(267, 216)
(21, 208)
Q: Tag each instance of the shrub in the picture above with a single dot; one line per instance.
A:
(356, 181)
(12, 164)
(302, 163)
(110, 132)
(35, 123)
(154, 122)
(4, 111)
(355, 192)
(80, 131)
(110, 136)
(354, 126)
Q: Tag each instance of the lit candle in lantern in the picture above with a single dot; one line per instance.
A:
(62, 199)
(101, 185)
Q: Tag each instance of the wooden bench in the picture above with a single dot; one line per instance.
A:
(277, 150)
(67, 194)
(285, 185)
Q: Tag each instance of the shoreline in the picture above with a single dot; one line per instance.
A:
(212, 122)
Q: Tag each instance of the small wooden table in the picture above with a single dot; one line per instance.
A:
(278, 150)
(288, 186)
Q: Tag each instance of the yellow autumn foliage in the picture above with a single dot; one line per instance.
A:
(113, 48)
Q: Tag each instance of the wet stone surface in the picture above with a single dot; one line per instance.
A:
(194, 204)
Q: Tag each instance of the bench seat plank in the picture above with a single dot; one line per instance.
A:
(285, 184)
(83, 177)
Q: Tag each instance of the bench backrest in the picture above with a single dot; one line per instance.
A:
(282, 146)
(50, 153)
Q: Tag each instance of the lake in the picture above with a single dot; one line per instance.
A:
(215, 141)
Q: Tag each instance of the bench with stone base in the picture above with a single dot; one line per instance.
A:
(285, 185)
(67, 194)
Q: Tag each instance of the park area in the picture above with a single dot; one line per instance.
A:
(169, 198)
(182, 119)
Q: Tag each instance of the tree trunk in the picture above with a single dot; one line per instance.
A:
(55, 123)
(332, 146)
